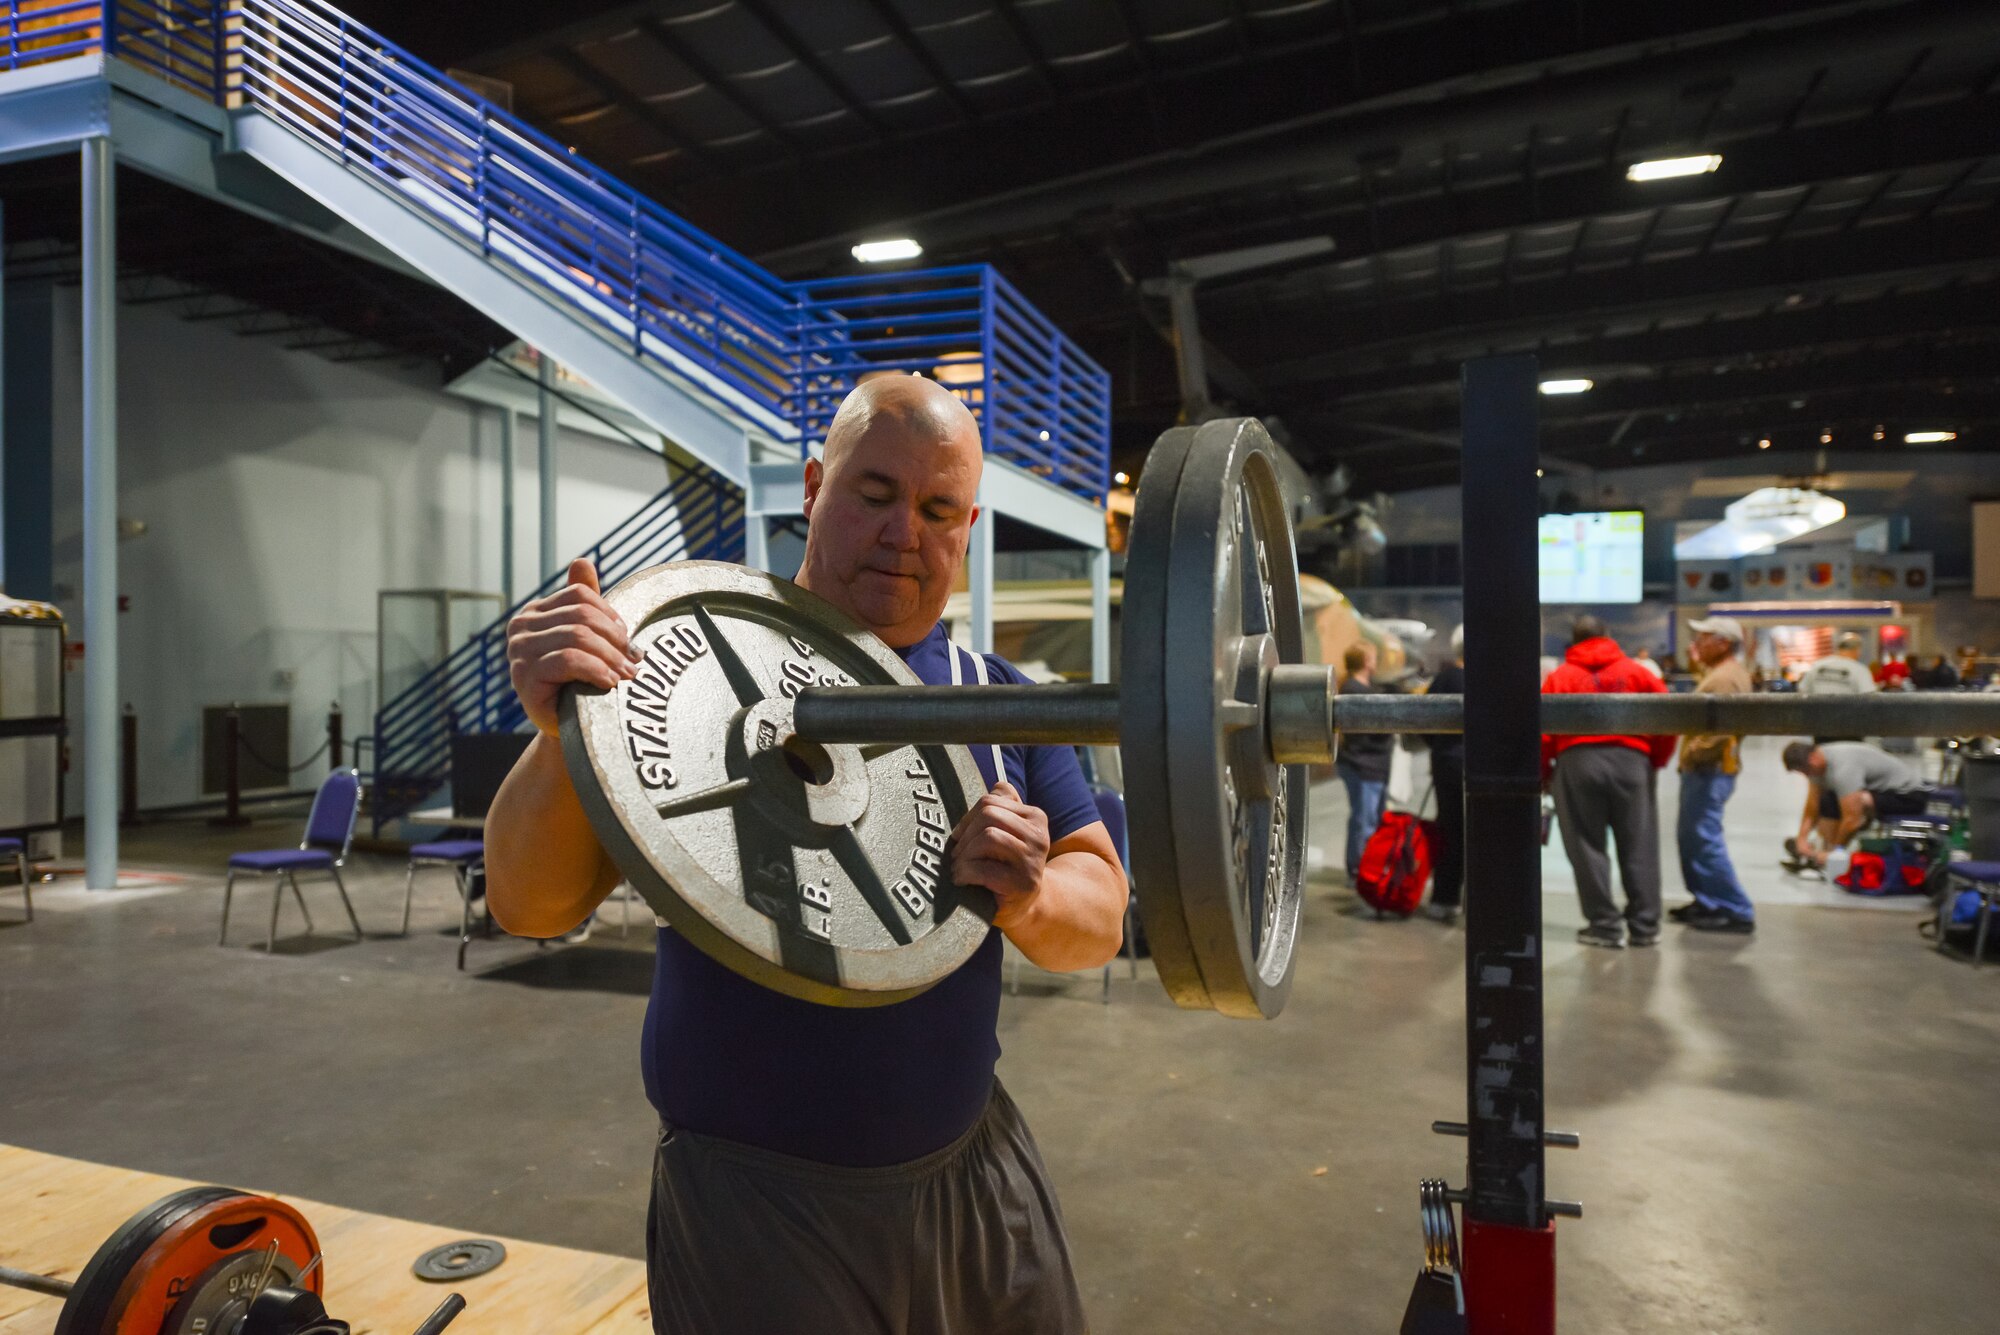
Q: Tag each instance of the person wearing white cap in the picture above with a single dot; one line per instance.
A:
(1709, 765)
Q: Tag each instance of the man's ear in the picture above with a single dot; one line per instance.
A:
(815, 479)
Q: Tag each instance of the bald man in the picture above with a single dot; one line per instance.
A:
(819, 1169)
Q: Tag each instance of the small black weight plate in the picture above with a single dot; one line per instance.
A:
(459, 1260)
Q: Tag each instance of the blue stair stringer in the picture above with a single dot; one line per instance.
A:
(697, 517)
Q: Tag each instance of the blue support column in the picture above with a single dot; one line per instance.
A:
(979, 579)
(1100, 614)
(100, 518)
(507, 427)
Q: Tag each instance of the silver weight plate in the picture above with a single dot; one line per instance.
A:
(818, 871)
(1212, 578)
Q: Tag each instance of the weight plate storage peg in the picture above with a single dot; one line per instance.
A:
(190, 1264)
(816, 870)
(1211, 609)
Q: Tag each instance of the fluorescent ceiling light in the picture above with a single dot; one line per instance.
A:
(1566, 386)
(881, 252)
(1662, 169)
(1928, 437)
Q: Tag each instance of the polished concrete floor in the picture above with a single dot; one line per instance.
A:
(1787, 1133)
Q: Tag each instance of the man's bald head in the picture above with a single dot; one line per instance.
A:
(912, 407)
(890, 507)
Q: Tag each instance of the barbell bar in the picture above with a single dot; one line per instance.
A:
(1304, 715)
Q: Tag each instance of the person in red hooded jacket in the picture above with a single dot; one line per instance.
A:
(1604, 790)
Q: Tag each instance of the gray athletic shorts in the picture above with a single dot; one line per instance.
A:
(966, 1241)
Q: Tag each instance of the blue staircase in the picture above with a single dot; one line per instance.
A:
(696, 517)
(732, 363)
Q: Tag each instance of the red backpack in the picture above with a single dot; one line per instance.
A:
(1395, 864)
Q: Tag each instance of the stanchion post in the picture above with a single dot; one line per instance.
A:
(335, 724)
(232, 769)
(1509, 1241)
(128, 754)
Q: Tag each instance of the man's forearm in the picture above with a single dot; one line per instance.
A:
(1077, 919)
(545, 870)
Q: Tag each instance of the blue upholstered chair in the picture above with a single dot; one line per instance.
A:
(466, 858)
(329, 836)
(1984, 879)
(17, 849)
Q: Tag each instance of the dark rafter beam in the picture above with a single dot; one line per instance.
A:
(1962, 133)
(1966, 313)
(1585, 303)
(718, 82)
(1009, 14)
(893, 21)
(1545, 90)
(616, 93)
(788, 38)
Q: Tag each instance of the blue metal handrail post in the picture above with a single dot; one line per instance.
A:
(479, 198)
(219, 75)
(109, 12)
(341, 124)
(637, 262)
(989, 368)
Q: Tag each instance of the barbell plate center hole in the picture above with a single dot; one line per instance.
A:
(808, 760)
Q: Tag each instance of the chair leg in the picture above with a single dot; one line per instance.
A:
(27, 893)
(304, 912)
(1132, 941)
(277, 898)
(464, 915)
(1985, 920)
(625, 911)
(346, 903)
(409, 889)
(228, 889)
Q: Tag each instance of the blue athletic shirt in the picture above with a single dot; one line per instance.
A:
(860, 1087)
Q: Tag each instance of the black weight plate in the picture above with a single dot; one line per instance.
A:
(817, 871)
(1211, 604)
(459, 1260)
(90, 1307)
(1239, 816)
(1144, 660)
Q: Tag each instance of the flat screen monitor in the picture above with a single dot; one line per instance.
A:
(1594, 557)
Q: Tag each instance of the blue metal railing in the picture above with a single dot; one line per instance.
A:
(783, 354)
(696, 517)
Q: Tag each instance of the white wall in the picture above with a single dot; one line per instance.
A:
(280, 492)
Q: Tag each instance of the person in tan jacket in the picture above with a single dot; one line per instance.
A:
(1709, 765)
